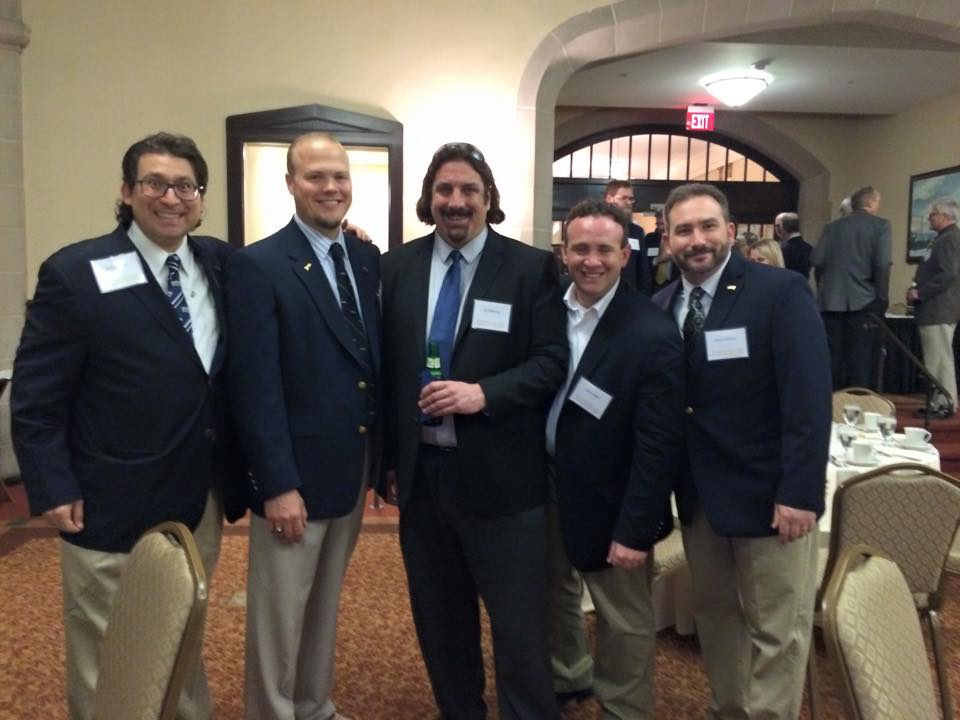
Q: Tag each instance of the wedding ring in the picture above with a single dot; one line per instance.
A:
(277, 530)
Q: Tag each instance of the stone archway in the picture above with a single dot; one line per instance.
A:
(634, 26)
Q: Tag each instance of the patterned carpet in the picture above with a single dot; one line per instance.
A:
(380, 675)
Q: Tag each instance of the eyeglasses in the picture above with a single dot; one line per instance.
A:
(460, 148)
(154, 187)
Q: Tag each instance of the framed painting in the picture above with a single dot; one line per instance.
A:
(924, 189)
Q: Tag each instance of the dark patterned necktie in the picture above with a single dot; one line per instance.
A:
(348, 304)
(175, 293)
(443, 329)
(693, 323)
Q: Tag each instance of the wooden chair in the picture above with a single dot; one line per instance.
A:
(873, 635)
(155, 628)
(868, 401)
(911, 513)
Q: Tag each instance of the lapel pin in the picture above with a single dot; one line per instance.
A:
(731, 287)
(308, 266)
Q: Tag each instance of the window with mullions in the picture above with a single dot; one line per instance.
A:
(661, 156)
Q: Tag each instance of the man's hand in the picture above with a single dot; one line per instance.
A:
(287, 513)
(627, 558)
(450, 397)
(359, 232)
(792, 523)
(391, 496)
(66, 518)
(912, 296)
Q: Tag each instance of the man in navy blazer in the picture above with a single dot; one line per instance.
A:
(304, 383)
(472, 486)
(615, 431)
(758, 430)
(119, 419)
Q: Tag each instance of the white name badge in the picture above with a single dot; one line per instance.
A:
(726, 344)
(118, 272)
(489, 315)
(590, 398)
(634, 244)
(653, 252)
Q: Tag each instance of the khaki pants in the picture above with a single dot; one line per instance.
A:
(622, 674)
(937, 343)
(753, 603)
(293, 592)
(90, 580)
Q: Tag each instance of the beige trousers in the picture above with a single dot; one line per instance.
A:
(622, 674)
(90, 580)
(293, 591)
(937, 343)
(753, 603)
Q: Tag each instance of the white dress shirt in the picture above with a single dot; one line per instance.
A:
(196, 290)
(709, 292)
(581, 322)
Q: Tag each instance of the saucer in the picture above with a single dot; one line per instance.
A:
(920, 447)
(872, 462)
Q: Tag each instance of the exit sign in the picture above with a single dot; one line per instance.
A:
(700, 117)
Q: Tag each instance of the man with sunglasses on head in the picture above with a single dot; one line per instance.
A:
(118, 416)
(465, 455)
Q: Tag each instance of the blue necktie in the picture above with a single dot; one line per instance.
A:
(175, 293)
(348, 304)
(443, 330)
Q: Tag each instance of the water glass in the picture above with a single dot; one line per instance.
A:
(851, 414)
(887, 426)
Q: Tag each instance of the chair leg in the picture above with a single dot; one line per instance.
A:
(937, 642)
(813, 694)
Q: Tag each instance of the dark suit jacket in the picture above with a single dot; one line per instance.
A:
(758, 428)
(796, 255)
(852, 262)
(615, 474)
(938, 280)
(111, 402)
(300, 396)
(637, 270)
(501, 450)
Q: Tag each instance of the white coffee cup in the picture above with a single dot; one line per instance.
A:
(916, 436)
(870, 420)
(861, 451)
(844, 474)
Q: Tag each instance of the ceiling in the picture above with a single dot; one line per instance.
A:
(843, 68)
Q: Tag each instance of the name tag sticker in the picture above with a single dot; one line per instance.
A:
(118, 272)
(653, 251)
(489, 315)
(726, 344)
(634, 244)
(590, 398)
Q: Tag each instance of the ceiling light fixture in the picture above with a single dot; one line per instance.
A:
(736, 87)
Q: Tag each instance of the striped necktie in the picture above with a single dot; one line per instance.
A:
(175, 293)
(348, 304)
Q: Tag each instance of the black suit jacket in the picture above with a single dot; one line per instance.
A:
(796, 255)
(304, 403)
(615, 474)
(111, 403)
(757, 427)
(637, 271)
(501, 454)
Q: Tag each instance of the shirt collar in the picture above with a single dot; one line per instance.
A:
(710, 284)
(470, 251)
(320, 242)
(154, 255)
(600, 306)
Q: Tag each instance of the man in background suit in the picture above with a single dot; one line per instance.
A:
(304, 383)
(852, 262)
(118, 415)
(796, 250)
(637, 271)
(615, 431)
(757, 432)
(936, 295)
(472, 488)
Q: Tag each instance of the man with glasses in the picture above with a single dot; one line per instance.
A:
(466, 454)
(638, 270)
(118, 415)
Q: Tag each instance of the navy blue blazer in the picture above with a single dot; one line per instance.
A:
(501, 451)
(304, 404)
(796, 255)
(111, 404)
(615, 474)
(758, 427)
